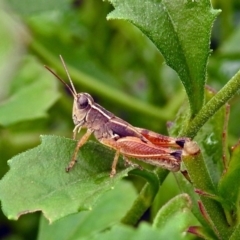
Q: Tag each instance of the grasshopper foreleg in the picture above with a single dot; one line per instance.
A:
(80, 143)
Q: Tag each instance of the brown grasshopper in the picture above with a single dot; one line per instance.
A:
(130, 141)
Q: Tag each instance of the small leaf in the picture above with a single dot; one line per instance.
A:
(174, 218)
(179, 204)
(87, 223)
(181, 31)
(38, 180)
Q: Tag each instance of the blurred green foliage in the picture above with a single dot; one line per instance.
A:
(124, 72)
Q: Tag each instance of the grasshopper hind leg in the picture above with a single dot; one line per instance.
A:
(177, 154)
(113, 144)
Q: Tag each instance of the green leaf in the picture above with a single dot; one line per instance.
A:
(143, 232)
(229, 188)
(174, 217)
(181, 203)
(38, 180)
(181, 31)
(85, 224)
(34, 92)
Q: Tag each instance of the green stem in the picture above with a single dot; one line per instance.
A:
(145, 198)
(100, 88)
(202, 182)
(213, 106)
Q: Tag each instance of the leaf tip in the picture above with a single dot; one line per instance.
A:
(12, 217)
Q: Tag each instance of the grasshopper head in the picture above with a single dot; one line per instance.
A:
(82, 101)
(81, 106)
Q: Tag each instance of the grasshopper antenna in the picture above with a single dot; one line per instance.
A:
(69, 78)
(51, 71)
(72, 90)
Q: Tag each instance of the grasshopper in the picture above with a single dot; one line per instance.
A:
(125, 139)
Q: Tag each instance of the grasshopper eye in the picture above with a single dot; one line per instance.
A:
(82, 102)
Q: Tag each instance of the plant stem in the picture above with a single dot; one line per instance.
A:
(145, 198)
(212, 106)
(202, 182)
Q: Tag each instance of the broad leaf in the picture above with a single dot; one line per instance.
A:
(37, 180)
(87, 223)
(181, 31)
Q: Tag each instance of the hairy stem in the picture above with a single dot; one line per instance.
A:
(221, 98)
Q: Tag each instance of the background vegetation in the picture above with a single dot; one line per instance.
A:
(124, 72)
